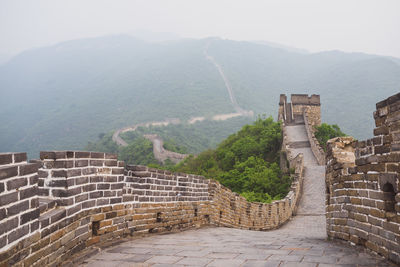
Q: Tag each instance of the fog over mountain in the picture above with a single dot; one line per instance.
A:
(62, 96)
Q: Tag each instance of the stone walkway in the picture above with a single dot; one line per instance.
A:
(300, 242)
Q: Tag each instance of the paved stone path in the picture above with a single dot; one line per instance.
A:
(301, 242)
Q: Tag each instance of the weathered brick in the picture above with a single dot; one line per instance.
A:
(96, 194)
(6, 159)
(17, 183)
(81, 163)
(88, 204)
(81, 180)
(62, 213)
(7, 172)
(111, 156)
(20, 157)
(34, 179)
(27, 193)
(103, 186)
(89, 187)
(8, 198)
(63, 164)
(53, 155)
(74, 191)
(28, 168)
(29, 216)
(88, 171)
(18, 233)
(117, 171)
(74, 172)
(97, 155)
(3, 241)
(6, 226)
(96, 163)
(110, 163)
(18, 208)
(59, 173)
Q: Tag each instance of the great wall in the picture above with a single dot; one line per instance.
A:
(87, 208)
(160, 153)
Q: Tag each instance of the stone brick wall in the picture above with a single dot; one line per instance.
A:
(363, 188)
(232, 210)
(19, 206)
(68, 201)
(316, 148)
(151, 185)
(81, 179)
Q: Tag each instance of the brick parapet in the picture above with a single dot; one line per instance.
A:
(232, 210)
(316, 148)
(146, 184)
(363, 188)
(78, 199)
(19, 205)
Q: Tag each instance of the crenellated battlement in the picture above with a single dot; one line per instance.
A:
(362, 185)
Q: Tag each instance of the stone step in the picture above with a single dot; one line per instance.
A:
(299, 144)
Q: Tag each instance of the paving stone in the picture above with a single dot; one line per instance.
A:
(320, 259)
(110, 256)
(192, 253)
(104, 263)
(138, 258)
(246, 256)
(226, 262)
(297, 264)
(220, 255)
(337, 265)
(165, 252)
(164, 259)
(287, 257)
(261, 263)
(129, 250)
(310, 252)
(354, 259)
(194, 261)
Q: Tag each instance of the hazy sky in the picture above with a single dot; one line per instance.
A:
(371, 26)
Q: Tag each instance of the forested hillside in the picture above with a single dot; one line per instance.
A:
(246, 162)
(63, 96)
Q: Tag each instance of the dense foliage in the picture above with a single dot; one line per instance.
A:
(246, 162)
(324, 132)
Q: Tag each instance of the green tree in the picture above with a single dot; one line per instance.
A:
(324, 132)
(246, 162)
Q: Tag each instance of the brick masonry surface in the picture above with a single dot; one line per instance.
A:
(67, 201)
(362, 185)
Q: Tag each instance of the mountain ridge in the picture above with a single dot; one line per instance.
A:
(55, 98)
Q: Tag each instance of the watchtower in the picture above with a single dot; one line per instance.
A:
(292, 112)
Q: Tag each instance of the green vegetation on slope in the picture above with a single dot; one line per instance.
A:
(182, 138)
(324, 132)
(62, 96)
(191, 138)
(246, 162)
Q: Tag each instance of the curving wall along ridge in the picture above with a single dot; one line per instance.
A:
(362, 185)
(68, 201)
(316, 148)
